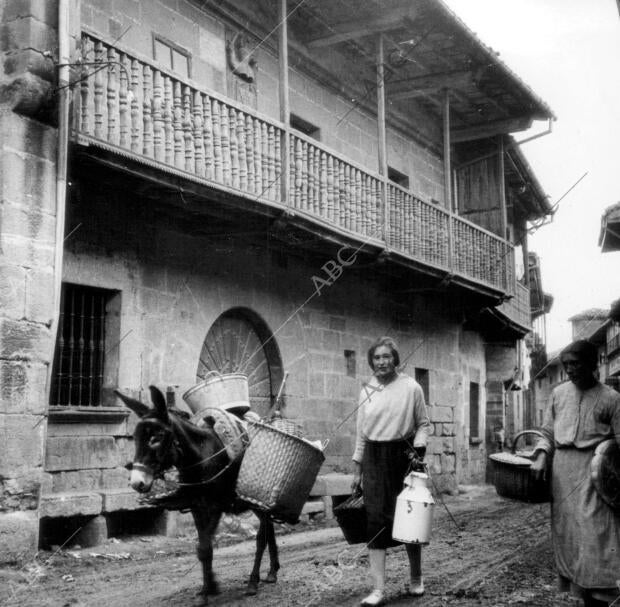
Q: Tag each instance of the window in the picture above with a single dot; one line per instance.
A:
(171, 56)
(398, 178)
(84, 364)
(421, 376)
(307, 128)
(349, 356)
(474, 410)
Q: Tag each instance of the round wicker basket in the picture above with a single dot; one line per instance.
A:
(351, 518)
(512, 476)
(605, 472)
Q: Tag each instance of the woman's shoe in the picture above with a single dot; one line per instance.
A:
(416, 588)
(374, 598)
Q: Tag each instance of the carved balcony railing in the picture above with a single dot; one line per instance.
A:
(132, 106)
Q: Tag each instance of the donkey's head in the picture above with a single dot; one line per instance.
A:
(154, 440)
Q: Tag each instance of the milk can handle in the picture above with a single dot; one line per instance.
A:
(523, 433)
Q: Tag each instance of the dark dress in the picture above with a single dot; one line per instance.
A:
(385, 465)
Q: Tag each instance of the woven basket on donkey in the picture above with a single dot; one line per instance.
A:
(351, 518)
(277, 472)
(513, 478)
(286, 425)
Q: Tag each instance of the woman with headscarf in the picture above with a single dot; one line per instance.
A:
(392, 426)
(581, 414)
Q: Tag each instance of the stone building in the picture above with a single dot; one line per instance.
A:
(258, 186)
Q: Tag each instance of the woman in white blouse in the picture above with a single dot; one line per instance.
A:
(391, 419)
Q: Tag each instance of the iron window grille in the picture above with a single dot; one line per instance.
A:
(79, 360)
(474, 410)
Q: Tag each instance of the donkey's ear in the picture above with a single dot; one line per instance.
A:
(160, 403)
(140, 409)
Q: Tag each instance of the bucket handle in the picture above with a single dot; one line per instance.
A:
(212, 372)
(523, 433)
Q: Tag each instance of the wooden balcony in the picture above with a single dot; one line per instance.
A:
(133, 108)
(517, 309)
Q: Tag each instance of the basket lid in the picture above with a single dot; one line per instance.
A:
(510, 458)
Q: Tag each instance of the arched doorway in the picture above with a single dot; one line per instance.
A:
(240, 341)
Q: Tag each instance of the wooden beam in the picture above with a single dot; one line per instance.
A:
(381, 128)
(489, 129)
(430, 83)
(447, 168)
(447, 164)
(359, 28)
(502, 188)
(284, 100)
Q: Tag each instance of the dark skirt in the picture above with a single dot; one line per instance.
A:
(384, 467)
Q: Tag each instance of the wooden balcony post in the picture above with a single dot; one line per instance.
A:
(381, 133)
(504, 214)
(447, 176)
(284, 103)
(526, 258)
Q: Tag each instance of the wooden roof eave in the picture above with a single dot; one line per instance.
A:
(540, 109)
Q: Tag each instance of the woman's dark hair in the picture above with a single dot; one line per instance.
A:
(585, 350)
(384, 341)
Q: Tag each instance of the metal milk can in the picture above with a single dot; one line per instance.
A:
(413, 518)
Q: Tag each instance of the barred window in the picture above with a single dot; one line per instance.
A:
(80, 358)
(474, 410)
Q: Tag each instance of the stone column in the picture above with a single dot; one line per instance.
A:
(27, 240)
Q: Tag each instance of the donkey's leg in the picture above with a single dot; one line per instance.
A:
(261, 544)
(206, 520)
(274, 563)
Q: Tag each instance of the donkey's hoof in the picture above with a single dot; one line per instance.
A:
(201, 598)
(272, 577)
(252, 588)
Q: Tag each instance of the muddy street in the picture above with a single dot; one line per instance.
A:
(500, 555)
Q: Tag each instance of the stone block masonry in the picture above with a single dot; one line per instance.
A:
(27, 238)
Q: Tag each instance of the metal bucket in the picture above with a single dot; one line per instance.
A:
(229, 391)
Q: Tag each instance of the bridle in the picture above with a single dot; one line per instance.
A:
(172, 444)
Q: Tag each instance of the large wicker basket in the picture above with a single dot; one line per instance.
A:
(513, 478)
(277, 472)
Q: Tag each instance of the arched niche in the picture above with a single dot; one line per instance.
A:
(239, 341)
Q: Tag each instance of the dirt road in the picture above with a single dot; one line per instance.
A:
(500, 555)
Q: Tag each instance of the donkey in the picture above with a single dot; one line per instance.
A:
(165, 438)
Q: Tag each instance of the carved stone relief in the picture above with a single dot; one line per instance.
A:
(242, 62)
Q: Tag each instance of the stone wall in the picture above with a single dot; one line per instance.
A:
(27, 240)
